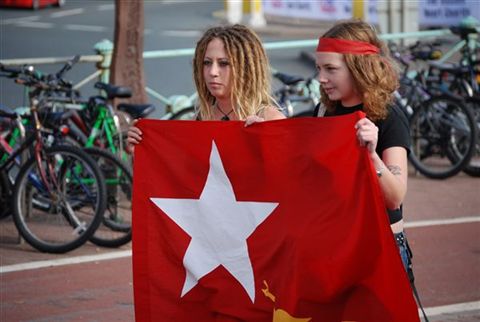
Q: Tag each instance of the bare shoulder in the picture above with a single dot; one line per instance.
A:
(271, 113)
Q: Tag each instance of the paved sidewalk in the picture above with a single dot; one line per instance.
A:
(447, 264)
(472, 316)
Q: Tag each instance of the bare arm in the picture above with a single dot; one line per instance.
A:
(392, 164)
(270, 113)
(393, 180)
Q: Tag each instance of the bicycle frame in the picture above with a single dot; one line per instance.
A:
(106, 122)
(17, 134)
(34, 140)
(173, 104)
(472, 44)
(304, 91)
(468, 46)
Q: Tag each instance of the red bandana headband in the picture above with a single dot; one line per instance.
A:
(344, 46)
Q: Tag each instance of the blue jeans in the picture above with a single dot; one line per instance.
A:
(404, 249)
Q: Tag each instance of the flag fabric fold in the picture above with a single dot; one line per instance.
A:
(279, 221)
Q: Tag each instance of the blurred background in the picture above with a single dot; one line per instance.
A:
(66, 28)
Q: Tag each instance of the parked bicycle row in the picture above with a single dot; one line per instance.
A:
(442, 103)
(65, 175)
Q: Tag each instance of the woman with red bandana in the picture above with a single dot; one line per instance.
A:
(356, 73)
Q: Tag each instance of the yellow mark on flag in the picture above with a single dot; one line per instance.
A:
(267, 293)
(280, 315)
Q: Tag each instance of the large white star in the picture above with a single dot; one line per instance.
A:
(219, 226)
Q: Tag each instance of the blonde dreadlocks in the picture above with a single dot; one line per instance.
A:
(250, 76)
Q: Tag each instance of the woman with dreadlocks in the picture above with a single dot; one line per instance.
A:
(231, 73)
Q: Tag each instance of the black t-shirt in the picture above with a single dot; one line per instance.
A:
(392, 131)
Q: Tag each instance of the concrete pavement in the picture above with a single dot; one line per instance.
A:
(447, 265)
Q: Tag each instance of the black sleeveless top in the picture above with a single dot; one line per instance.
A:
(392, 131)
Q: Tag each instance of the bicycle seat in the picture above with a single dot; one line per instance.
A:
(287, 79)
(7, 112)
(114, 91)
(136, 110)
(463, 31)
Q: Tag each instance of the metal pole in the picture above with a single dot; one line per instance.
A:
(105, 49)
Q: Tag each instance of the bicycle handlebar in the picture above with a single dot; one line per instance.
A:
(12, 72)
(418, 51)
(67, 66)
(28, 76)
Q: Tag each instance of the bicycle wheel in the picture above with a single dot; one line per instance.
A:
(473, 167)
(441, 127)
(61, 212)
(116, 227)
(185, 114)
(5, 195)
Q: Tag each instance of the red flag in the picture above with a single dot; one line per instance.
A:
(279, 221)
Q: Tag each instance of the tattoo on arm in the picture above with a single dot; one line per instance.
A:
(395, 169)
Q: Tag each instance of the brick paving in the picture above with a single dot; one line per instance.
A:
(446, 260)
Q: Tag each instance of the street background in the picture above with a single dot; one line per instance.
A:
(443, 216)
(168, 25)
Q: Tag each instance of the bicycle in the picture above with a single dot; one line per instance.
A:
(177, 107)
(12, 130)
(297, 92)
(98, 118)
(462, 79)
(95, 122)
(59, 193)
(443, 130)
(115, 229)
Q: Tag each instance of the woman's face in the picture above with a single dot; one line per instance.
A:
(217, 69)
(336, 80)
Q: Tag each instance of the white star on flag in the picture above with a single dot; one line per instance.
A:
(219, 226)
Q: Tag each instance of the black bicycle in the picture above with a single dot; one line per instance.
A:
(58, 197)
(443, 129)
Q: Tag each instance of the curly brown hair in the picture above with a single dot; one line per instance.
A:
(250, 74)
(375, 76)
